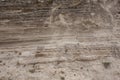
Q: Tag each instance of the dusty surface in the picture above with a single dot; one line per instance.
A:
(59, 40)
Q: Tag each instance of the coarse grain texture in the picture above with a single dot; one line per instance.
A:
(59, 40)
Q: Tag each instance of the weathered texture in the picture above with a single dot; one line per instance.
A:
(59, 40)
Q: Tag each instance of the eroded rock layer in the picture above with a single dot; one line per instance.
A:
(59, 40)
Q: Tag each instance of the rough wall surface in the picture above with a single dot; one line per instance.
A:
(59, 40)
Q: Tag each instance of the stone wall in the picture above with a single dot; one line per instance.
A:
(59, 40)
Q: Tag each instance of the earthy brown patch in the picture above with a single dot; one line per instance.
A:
(32, 70)
(40, 55)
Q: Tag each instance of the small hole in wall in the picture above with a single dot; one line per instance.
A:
(74, 74)
(4, 64)
(119, 12)
(18, 64)
(39, 55)
(20, 53)
(62, 78)
(106, 64)
(81, 68)
(32, 70)
(2, 52)
(46, 25)
(24, 65)
(0, 61)
(62, 72)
